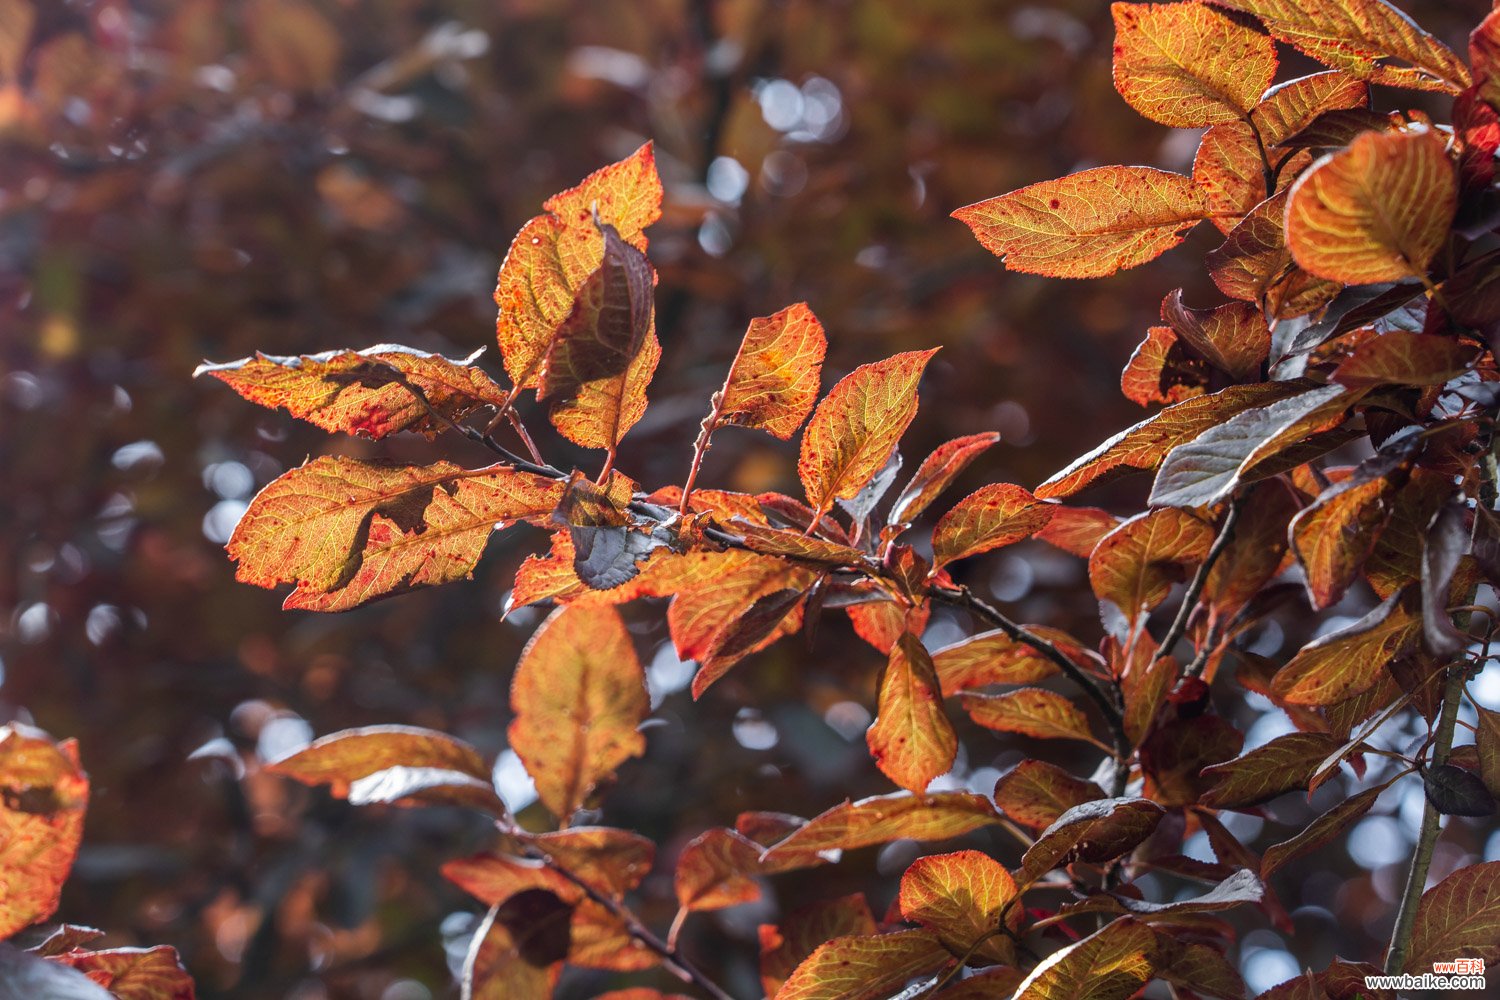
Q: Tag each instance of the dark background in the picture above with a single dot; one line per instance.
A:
(196, 180)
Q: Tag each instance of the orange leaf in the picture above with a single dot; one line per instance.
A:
(1289, 108)
(602, 356)
(961, 898)
(17, 19)
(882, 623)
(1134, 566)
(1076, 530)
(936, 473)
(1035, 712)
(1344, 663)
(1110, 964)
(990, 517)
(911, 739)
(773, 381)
(1484, 53)
(346, 531)
(1333, 537)
(1257, 550)
(45, 795)
(855, 429)
(403, 765)
(717, 869)
(786, 945)
(610, 860)
(1285, 763)
(363, 392)
(1399, 357)
(1229, 169)
(1144, 686)
(1233, 338)
(554, 254)
(995, 658)
(1458, 917)
(1377, 211)
(1147, 443)
(1189, 66)
(1358, 36)
(578, 696)
(1089, 224)
(1035, 793)
(1255, 265)
(883, 818)
(497, 968)
(793, 544)
(1162, 370)
(134, 973)
(494, 878)
(865, 968)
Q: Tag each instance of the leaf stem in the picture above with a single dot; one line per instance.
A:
(1200, 580)
(700, 448)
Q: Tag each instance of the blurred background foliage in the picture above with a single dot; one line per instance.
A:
(190, 179)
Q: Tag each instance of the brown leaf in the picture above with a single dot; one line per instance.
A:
(717, 869)
(1257, 550)
(865, 967)
(1035, 793)
(1134, 566)
(1398, 357)
(1254, 265)
(1458, 918)
(992, 516)
(45, 795)
(1089, 224)
(883, 818)
(961, 897)
(936, 473)
(1333, 537)
(1320, 831)
(496, 968)
(134, 973)
(1174, 754)
(1110, 964)
(293, 44)
(613, 861)
(1229, 170)
(1285, 763)
(1233, 338)
(1487, 744)
(1377, 211)
(1096, 831)
(1187, 65)
(773, 381)
(911, 740)
(17, 18)
(786, 945)
(1033, 712)
(854, 430)
(578, 696)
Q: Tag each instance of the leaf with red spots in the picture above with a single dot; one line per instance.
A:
(1089, 224)
(45, 794)
(773, 381)
(992, 516)
(911, 739)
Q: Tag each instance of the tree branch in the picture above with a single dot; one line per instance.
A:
(1200, 580)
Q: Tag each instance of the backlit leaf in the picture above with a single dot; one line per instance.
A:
(363, 392)
(995, 658)
(1144, 685)
(865, 967)
(1458, 918)
(716, 869)
(496, 969)
(1032, 712)
(578, 695)
(1402, 358)
(1089, 224)
(882, 623)
(1377, 211)
(611, 860)
(911, 740)
(494, 878)
(936, 473)
(961, 898)
(1162, 370)
(555, 253)
(1254, 265)
(1229, 170)
(773, 381)
(1110, 964)
(1333, 536)
(1134, 566)
(1076, 530)
(1187, 65)
(1233, 338)
(1358, 36)
(784, 946)
(855, 428)
(883, 818)
(794, 544)
(45, 794)
(992, 516)
(134, 973)
(1198, 967)
(1290, 107)
(1281, 765)
(1034, 793)
(1256, 551)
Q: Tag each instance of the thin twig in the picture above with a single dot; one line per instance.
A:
(1200, 580)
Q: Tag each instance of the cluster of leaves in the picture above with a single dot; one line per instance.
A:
(44, 794)
(1359, 262)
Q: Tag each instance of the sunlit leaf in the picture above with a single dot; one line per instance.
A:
(578, 695)
(717, 869)
(134, 973)
(1254, 265)
(1134, 566)
(1076, 530)
(911, 740)
(496, 969)
(1458, 918)
(855, 428)
(961, 898)
(1257, 550)
(936, 473)
(992, 516)
(773, 381)
(1162, 370)
(883, 818)
(1233, 337)
(1333, 536)
(611, 860)
(1089, 224)
(1032, 712)
(1230, 171)
(1100, 830)
(1110, 964)
(1289, 108)
(1187, 65)
(1144, 685)
(1281, 765)
(995, 658)
(865, 967)
(1377, 211)
(785, 945)
(1035, 793)
(882, 623)
(1402, 358)
(45, 794)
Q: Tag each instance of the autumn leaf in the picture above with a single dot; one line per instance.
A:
(1487, 746)
(406, 765)
(1458, 918)
(865, 967)
(1377, 211)
(134, 973)
(613, 861)
(578, 696)
(1162, 370)
(1034, 712)
(1035, 793)
(1321, 830)
(1186, 65)
(1281, 765)
(1096, 831)
(855, 428)
(1333, 537)
(1399, 357)
(1291, 107)
(1233, 337)
(555, 253)
(346, 531)
(1076, 530)
(793, 544)
(882, 623)
(27, 974)
(602, 356)
(1143, 446)
(962, 897)
(1358, 36)
(936, 474)
(1230, 171)
(495, 967)
(1134, 566)
(45, 795)
(911, 740)
(883, 818)
(1254, 265)
(494, 878)
(17, 19)
(995, 658)
(1172, 757)
(1111, 964)
(373, 393)
(1089, 224)
(1257, 550)
(1144, 687)
(773, 381)
(992, 516)
(786, 945)
(1201, 968)
(717, 869)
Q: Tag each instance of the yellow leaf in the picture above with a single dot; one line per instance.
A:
(1337, 666)
(1135, 565)
(773, 381)
(45, 795)
(961, 898)
(911, 739)
(1034, 712)
(992, 516)
(865, 968)
(883, 818)
(1110, 964)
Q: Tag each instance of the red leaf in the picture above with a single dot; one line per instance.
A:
(936, 473)
(1032, 712)
(134, 973)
